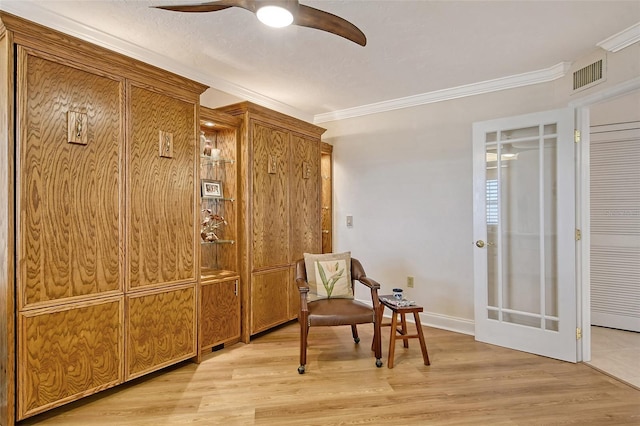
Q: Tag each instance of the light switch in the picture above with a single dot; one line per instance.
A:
(349, 221)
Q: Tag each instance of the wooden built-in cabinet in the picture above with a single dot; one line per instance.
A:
(279, 211)
(219, 278)
(99, 173)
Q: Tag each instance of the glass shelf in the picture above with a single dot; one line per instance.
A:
(219, 242)
(218, 199)
(208, 161)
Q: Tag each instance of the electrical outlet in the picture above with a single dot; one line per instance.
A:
(409, 282)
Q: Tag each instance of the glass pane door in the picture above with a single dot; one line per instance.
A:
(522, 167)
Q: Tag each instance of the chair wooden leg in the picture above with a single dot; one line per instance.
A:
(354, 333)
(377, 338)
(304, 334)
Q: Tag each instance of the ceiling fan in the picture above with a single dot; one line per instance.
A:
(280, 13)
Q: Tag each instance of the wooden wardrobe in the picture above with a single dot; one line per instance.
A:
(99, 219)
(280, 205)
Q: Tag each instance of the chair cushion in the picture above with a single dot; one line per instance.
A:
(339, 312)
(329, 275)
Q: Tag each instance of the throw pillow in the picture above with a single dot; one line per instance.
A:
(328, 275)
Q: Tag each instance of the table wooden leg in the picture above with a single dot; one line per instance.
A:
(392, 338)
(405, 342)
(423, 346)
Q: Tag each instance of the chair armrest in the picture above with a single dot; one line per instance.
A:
(375, 301)
(303, 285)
(372, 284)
(303, 288)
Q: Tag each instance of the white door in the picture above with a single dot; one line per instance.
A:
(524, 233)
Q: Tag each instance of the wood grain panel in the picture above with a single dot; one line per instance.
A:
(7, 233)
(219, 313)
(270, 207)
(269, 299)
(161, 237)
(304, 208)
(161, 329)
(67, 354)
(69, 195)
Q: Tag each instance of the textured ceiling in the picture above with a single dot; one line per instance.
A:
(414, 47)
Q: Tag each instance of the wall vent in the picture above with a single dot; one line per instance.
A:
(588, 76)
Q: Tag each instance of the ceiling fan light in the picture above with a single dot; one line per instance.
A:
(274, 16)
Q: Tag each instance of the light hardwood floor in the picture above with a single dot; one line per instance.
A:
(468, 383)
(616, 352)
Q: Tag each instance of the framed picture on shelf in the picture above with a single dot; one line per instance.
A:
(211, 188)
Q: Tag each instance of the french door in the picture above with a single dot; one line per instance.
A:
(524, 233)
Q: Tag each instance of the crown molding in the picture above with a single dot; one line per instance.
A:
(510, 82)
(622, 39)
(36, 13)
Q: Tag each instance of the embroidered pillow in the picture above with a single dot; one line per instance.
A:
(328, 275)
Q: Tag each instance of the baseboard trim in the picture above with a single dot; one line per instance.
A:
(444, 322)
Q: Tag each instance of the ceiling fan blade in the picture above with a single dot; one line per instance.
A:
(320, 20)
(211, 6)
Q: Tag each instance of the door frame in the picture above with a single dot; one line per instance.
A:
(583, 204)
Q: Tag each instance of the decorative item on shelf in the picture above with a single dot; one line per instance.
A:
(211, 224)
(211, 188)
(209, 149)
(205, 145)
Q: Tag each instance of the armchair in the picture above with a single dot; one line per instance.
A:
(338, 311)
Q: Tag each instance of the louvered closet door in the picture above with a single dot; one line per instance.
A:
(615, 226)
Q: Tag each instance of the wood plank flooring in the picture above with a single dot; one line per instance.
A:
(468, 383)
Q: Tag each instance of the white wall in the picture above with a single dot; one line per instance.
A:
(406, 177)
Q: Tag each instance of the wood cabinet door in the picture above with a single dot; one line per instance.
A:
(270, 196)
(69, 194)
(161, 192)
(294, 294)
(219, 313)
(69, 353)
(304, 195)
(270, 293)
(161, 329)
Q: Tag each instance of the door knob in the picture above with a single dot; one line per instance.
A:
(480, 243)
